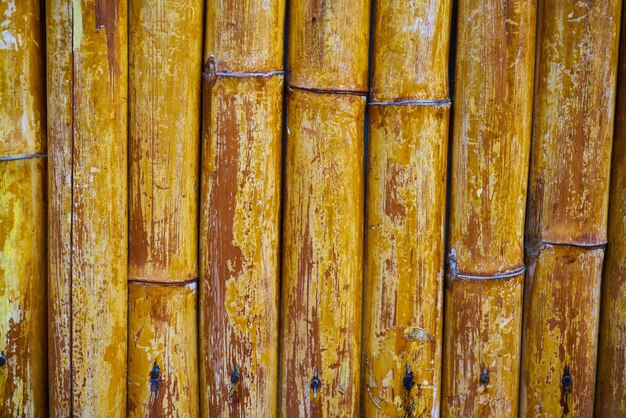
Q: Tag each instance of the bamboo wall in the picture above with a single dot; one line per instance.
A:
(339, 208)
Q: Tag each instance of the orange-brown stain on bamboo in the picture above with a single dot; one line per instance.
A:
(23, 267)
(404, 259)
(410, 48)
(164, 122)
(162, 331)
(482, 342)
(245, 36)
(328, 44)
(87, 52)
(490, 150)
(491, 136)
(611, 376)
(23, 338)
(568, 201)
(322, 254)
(239, 257)
(573, 125)
(562, 303)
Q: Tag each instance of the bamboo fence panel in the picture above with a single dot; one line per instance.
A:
(240, 208)
(406, 201)
(568, 202)
(490, 149)
(87, 114)
(23, 268)
(610, 397)
(164, 109)
(322, 252)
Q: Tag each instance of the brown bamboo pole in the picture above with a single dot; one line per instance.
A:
(164, 111)
(23, 267)
(568, 202)
(406, 200)
(490, 148)
(322, 252)
(87, 107)
(610, 399)
(240, 208)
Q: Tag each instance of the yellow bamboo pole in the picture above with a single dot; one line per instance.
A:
(240, 208)
(610, 397)
(408, 125)
(490, 148)
(322, 252)
(87, 107)
(23, 266)
(164, 111)
(568, 202)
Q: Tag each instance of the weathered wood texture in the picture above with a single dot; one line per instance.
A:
(404, 259)
(162, 330)
(490, 148)
(245, 36)
(239, 257)
(87, 115)
(23, 279)
(562, 304)
(328, 44)
(410, 49)
(568, 201)
(483, 330)
(322, 254)
(611, 376)
(406, 203)
(164, 122)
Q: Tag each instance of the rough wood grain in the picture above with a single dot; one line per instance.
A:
(245, 36)
(560, 331)
(490, 149)
(328, 44)
(410, 49)
(611, 377)
(239, 248)
(162, 329)
(483, 327)
(87, 107)
(568, 201)
(164, 109)
(404, 259)
(322, 254)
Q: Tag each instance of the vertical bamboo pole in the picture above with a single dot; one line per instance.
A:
(87, 88)
(240, 208)
(323, 215)
(164, 82)
(490, 148)
(408, 123)
(610, 397)
(23, 338)
(568, 201)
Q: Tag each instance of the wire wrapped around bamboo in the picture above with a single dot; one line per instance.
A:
(87, 114)
(490, 148)
(240, 208)
(165, 83)
(322, 252)
(568, 201)
(406, 209)
(23, 267)
(610, 397)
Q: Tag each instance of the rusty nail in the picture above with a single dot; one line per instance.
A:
(3, 360)
(567, 382)
(155, 376)
(408, 381)
(484, 376)
(315, 383)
